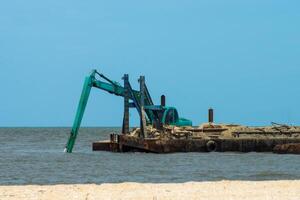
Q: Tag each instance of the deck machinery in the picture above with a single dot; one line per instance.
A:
(150, 114)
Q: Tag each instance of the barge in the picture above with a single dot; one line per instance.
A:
(205, 138)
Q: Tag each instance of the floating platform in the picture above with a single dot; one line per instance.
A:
(206, 138)
(133, 144)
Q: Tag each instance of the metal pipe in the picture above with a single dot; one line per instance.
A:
(210, 115)
(163, 100)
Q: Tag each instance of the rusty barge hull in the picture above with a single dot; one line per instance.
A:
(124, 143)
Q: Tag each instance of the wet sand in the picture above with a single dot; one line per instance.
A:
(191, 190)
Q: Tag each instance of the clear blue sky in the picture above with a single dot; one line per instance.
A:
(240, 57)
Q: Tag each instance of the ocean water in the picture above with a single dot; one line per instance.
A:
(35, 156)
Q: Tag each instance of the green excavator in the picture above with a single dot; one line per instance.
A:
(150, 114)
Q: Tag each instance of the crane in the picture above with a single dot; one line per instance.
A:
(150, 114)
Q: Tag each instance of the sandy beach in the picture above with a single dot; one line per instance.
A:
(191, 190)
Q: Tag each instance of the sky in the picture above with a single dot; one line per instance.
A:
(241, 58)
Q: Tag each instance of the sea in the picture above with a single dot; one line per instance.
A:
(35, 156)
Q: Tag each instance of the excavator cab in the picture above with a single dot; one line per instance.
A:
(171, 117)
(167, 116)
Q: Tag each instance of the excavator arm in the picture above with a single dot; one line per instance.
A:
(109, 86)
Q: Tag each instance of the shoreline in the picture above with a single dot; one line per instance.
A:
(282, 189)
